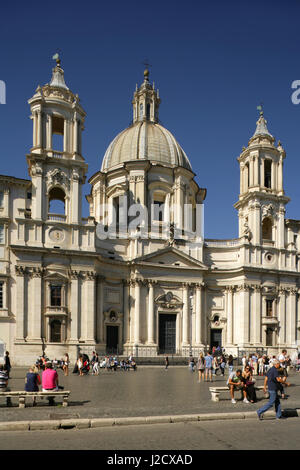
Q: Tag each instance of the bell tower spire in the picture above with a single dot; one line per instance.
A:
(262, 199)
(55, 163)
(145, 101)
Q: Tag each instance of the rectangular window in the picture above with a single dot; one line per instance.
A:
(1, 198)
(55, 296)
(1, 234)
(269, 337)
(1, 294)
(269, 309)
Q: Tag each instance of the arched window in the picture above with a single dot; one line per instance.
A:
(267, 226)
(268, 173)
(58, 133)
(141, 111)
(57, 201)
(158, 206)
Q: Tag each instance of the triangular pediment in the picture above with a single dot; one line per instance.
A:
(170, 256)
(55, 276)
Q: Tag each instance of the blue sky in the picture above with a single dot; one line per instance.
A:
(213, 63)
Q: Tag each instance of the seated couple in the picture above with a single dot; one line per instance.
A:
(242, 381)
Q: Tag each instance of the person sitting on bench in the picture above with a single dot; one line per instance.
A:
(4, 384)
(32, 382)
(234, 382)
(50, 381)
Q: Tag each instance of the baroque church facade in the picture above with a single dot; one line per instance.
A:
(65, 289)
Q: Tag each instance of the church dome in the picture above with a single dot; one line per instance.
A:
(145, 140)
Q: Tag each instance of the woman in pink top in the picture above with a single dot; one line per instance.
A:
(49, 381)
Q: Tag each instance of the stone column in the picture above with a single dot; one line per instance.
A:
(74, 306)
(242, 185)
(262, 172)
(37, 174)
(246, 177)
(282, 316)
(75, 197)
(280, 174)
(75, 134)
(49, 132)
(126, 310)
(90, 284)
(137, 311)
(151, 313)
(229, 291)
(256, 223)
(20, 302)
(291, 320)
(273, 175)
(244, 315)
(281, 227)
(185, 316)
(65, 143)
(34, 137)
(39, 129)
(35, 327)
(251, 169)
(199, 313)
(255, 327)
(100, 314)
(256, 171)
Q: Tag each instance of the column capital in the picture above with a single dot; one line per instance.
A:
(74, 274)
(199, 285)
(89, 275)
(186, 285)
(36, 272)
(20, 270)
(230, 288)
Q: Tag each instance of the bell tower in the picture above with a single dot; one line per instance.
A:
(55, 163)
(262, 200)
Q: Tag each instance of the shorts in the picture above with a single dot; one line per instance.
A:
(236, 387)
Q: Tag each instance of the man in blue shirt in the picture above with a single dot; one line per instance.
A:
(271, 380)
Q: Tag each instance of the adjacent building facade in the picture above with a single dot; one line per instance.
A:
(145, 289)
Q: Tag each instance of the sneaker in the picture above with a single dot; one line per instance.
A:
(246, 401)
(233, 401)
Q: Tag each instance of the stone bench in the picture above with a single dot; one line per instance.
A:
(215, 391)
(23, 395)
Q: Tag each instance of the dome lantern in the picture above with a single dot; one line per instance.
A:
(145, 101)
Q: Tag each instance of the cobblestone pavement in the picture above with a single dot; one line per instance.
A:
(150, 391)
